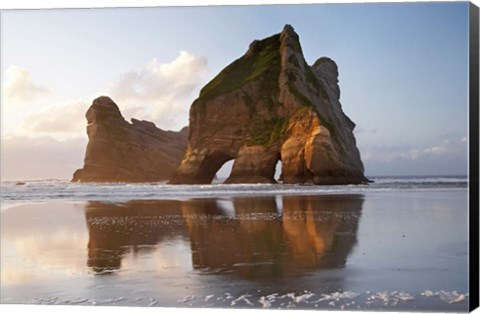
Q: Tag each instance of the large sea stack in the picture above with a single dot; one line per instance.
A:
(119, 151)
(270, 105)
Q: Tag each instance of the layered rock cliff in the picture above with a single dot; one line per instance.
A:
(119, 151)
(270, 105)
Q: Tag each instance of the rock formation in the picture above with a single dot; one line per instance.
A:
(270, 105)
(119, 151)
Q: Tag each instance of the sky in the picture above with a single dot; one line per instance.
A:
(403, 75)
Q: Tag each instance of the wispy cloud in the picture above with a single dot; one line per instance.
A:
(45, 157)
(61, 120)
(20, 88)
(160, 92)
(387, 153)
(50, 140)
(447, 157)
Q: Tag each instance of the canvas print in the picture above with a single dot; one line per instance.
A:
(310, 156)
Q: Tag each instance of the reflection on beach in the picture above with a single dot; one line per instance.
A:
(253, 251)
(250, 237)
(137, 226)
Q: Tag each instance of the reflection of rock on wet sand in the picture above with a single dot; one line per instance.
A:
(311, 232)
(247, 243)
(321, 232)
(257, 240)
(115, 229)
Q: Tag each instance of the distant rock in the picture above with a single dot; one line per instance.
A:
(270, 105)
(119, 151)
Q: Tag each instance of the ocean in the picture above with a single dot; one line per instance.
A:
(63, 190)
(397, 244)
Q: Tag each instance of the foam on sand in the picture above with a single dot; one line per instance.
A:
(447, 296)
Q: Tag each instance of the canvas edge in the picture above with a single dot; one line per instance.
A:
(474, 157)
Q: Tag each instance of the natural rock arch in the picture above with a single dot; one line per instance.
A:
(270, 105)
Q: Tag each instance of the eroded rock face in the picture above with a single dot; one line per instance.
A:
(119, 151)
(270, 105)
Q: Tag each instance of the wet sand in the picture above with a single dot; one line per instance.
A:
(394, 251)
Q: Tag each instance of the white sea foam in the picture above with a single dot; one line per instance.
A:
(339, 299)
(243, 298)
(389, 298)
(188, 298)
(265, 302)
(428, 293)
(447, 296)
(58, 190)
(337, 296)
(208, 297)
(303, 297)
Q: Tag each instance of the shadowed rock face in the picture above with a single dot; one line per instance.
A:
(119, 151)
(267, 106)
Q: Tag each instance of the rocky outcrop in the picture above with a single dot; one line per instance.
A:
(119, 151)
(270, 105)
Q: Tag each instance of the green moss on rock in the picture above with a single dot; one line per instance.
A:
(314, 82)
(304, 101)
(293, 60)
(269, 132)
(246, 69)
(295, 43)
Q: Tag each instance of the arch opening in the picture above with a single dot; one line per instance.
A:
(210, 166)
(222, 174)
(278, 171)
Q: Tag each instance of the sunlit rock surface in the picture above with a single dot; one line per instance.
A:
(270, 105)
(119, 151)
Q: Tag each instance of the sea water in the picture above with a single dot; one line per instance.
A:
(63, 190)
(400, 243)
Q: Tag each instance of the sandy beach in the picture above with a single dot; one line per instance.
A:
(395, 251)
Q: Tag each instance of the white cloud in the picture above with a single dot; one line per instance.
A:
(40, 158)
(413, 154)
(50, 141)
(436, 150)
(449, 157)
(60, 120)
(20, 89)
(388, 153)
(160, 92)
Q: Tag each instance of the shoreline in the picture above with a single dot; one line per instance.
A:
(71, 192)
(266, 251)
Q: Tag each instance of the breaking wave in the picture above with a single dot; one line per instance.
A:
(62, 190)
